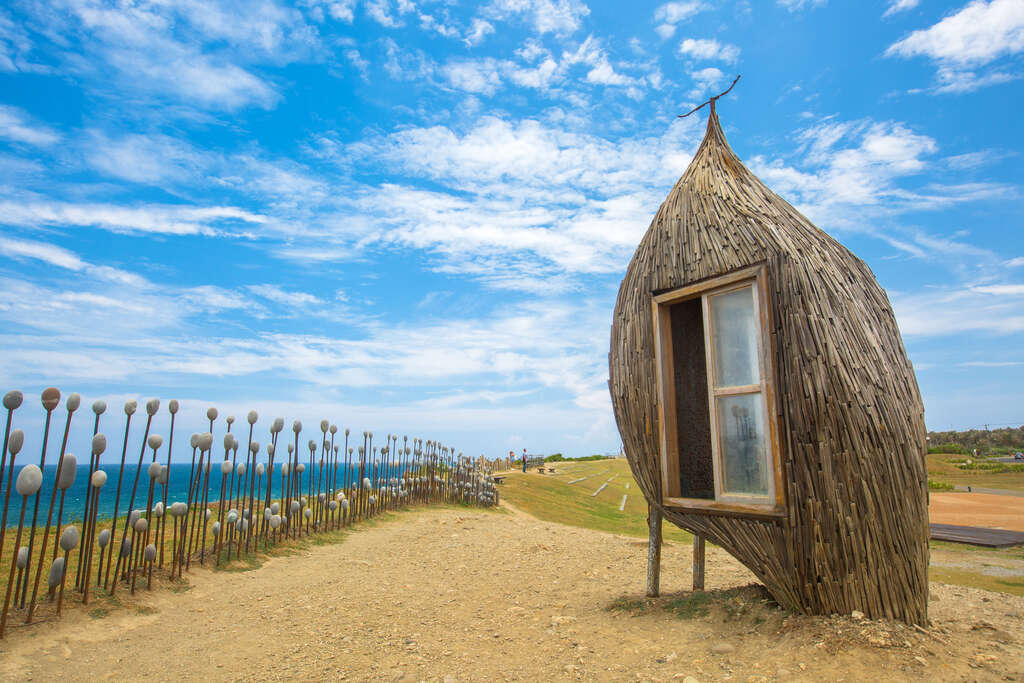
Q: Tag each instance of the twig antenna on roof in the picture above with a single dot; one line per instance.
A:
(711, 101)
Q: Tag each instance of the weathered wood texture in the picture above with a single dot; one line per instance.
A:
(849, 412)
(653, 551)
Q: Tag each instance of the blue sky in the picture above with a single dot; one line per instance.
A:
(413, 215)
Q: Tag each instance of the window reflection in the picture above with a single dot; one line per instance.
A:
(734, 333)
(741, 428)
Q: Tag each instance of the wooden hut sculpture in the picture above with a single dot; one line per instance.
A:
(765, 400)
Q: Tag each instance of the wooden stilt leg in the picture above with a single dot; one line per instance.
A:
(698, 562)
(654, 552)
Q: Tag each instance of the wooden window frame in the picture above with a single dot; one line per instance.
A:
(661, 304)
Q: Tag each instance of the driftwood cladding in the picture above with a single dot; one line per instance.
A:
(842, 522)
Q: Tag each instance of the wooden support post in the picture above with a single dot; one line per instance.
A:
(698, 562)
(654, 552)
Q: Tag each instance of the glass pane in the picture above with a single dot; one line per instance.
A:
(742, 439)
(734, 331)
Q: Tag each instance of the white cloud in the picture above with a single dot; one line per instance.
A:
(430, 23)
(381, 12)
(16, 46)
(60, 257)
(701, 48)
(284, 297)
(161, 219)
(17, 126)
(896, 6)
(976, 35)
(142, 158)
(665, 31)
(478, 30)
(540, 77)
(863, 168)
(556, 204)
(476, 76)
(546, 16)
(197, 52)
(674, 12)
(705, 80)
(994, 309)
(604, 73)
(1014, 290)
(959, 81)
(1015, 262)
(42, 251)
(342, 10)
(796, 5)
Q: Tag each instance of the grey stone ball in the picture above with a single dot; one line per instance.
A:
(13, 399)
(50, 398)
(69, 538)
(68, 468)
(56, 572)
(29, 480)
(15, 441)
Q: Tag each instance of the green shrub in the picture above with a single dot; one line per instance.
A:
(939, 486)
(948, 448)
(554, 457)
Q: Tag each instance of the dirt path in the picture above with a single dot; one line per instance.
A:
(449, 595)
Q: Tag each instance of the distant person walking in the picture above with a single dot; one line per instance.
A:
(524, 461)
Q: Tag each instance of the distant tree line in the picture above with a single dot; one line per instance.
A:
(1001, 440)
(558, 457)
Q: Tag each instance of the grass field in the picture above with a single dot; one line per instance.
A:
(941, 469)
(552, 498)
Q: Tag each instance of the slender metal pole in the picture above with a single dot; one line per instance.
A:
(129, 410)
(152, 406)
(50, 399)
(30, 479)
(12, 401)
(74, 400)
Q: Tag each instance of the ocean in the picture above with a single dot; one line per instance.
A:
(177, 489)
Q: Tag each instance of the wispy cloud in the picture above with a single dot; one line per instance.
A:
(703, 48)
(17, 126)
(199, 53)
(897, 6)
(670, 14)
(797, 5)
(952, 311)
(546, 16)
(163, 219)
(853, 166)
(975, 36)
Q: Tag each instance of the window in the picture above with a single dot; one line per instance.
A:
(716, 403)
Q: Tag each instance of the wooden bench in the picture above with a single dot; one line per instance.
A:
(498, 480)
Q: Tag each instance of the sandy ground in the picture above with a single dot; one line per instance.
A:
(464, 595)
(977, 509)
